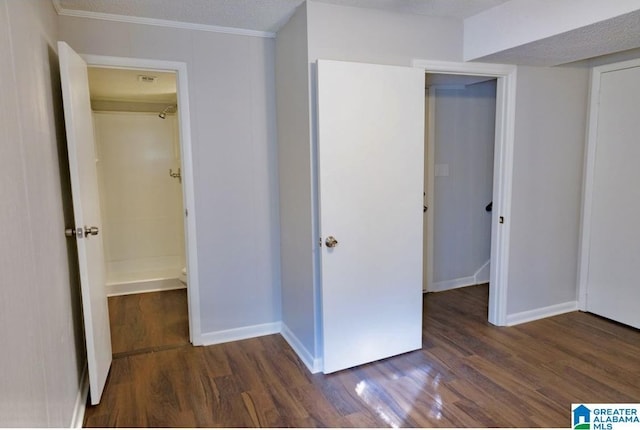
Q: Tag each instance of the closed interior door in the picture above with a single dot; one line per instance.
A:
(370, 161)
(86, 213)
(614, 249)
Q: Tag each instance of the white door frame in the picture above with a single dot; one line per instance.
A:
(429, 173)
(184, 123)
(589, 174)
(502, 172)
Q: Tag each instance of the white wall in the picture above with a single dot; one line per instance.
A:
(319, 30)
(382, 37)
(549, 138)
(141, 204)
(232, 106)
(375, 36)
(42, 353)
(296, 206)
(547, 185)
(464, 142)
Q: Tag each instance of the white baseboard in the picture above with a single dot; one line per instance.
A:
(313, 364)
(77, 419)
(147, 286)
(452, 284)
(546, 312)
(483, 274)
(212, 338)
(223, 336)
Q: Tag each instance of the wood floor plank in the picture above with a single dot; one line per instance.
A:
(468, 374)
(360, 420)
(148, 321)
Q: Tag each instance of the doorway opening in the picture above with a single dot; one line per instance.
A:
(505, 76)
(141, 199)
(459, 154)
(152, 203)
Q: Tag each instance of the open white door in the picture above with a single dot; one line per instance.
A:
(86, 212)
(370, 166)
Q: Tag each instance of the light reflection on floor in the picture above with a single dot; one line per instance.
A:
(402, 392)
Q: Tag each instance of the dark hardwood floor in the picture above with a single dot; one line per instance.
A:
(146, 322)
(468, 374)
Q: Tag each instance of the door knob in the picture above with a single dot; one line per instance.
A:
(331, 242)
(93, 231)
(73, 232)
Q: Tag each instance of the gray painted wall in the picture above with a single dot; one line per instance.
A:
(233, 126)
(297, 237)
(551, 117)
(464, 141)
(42, 355)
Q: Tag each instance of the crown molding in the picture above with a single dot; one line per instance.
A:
(160, 22)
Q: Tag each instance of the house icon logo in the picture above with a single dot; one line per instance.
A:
(582, 418)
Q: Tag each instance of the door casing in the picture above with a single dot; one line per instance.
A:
(589, 176)
(502, 173)
(180, 68)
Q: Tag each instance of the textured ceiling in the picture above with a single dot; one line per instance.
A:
(261, 15)
(605, 37)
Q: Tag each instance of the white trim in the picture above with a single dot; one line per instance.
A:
(471, 68)
(587, 189)
(241, 333)
(589, 174)
(184, 122)
(57, 6)
(452, 284)
(483, 274)
(540, 313)
(77, 418)
(431, 183)
(502, 172)
(160, 22)
(146, 286)
(313, 364)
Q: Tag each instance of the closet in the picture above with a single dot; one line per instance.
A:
(610, 250)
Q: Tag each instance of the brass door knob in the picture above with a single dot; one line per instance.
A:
(331, 242)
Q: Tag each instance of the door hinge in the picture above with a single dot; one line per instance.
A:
(501, 220)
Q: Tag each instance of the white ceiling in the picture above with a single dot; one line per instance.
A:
(259, 15)
(125, 85)
(122, 90)
(605, 37)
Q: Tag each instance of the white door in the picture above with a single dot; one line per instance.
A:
(370, 165)
(86, 212)
(614, 247)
